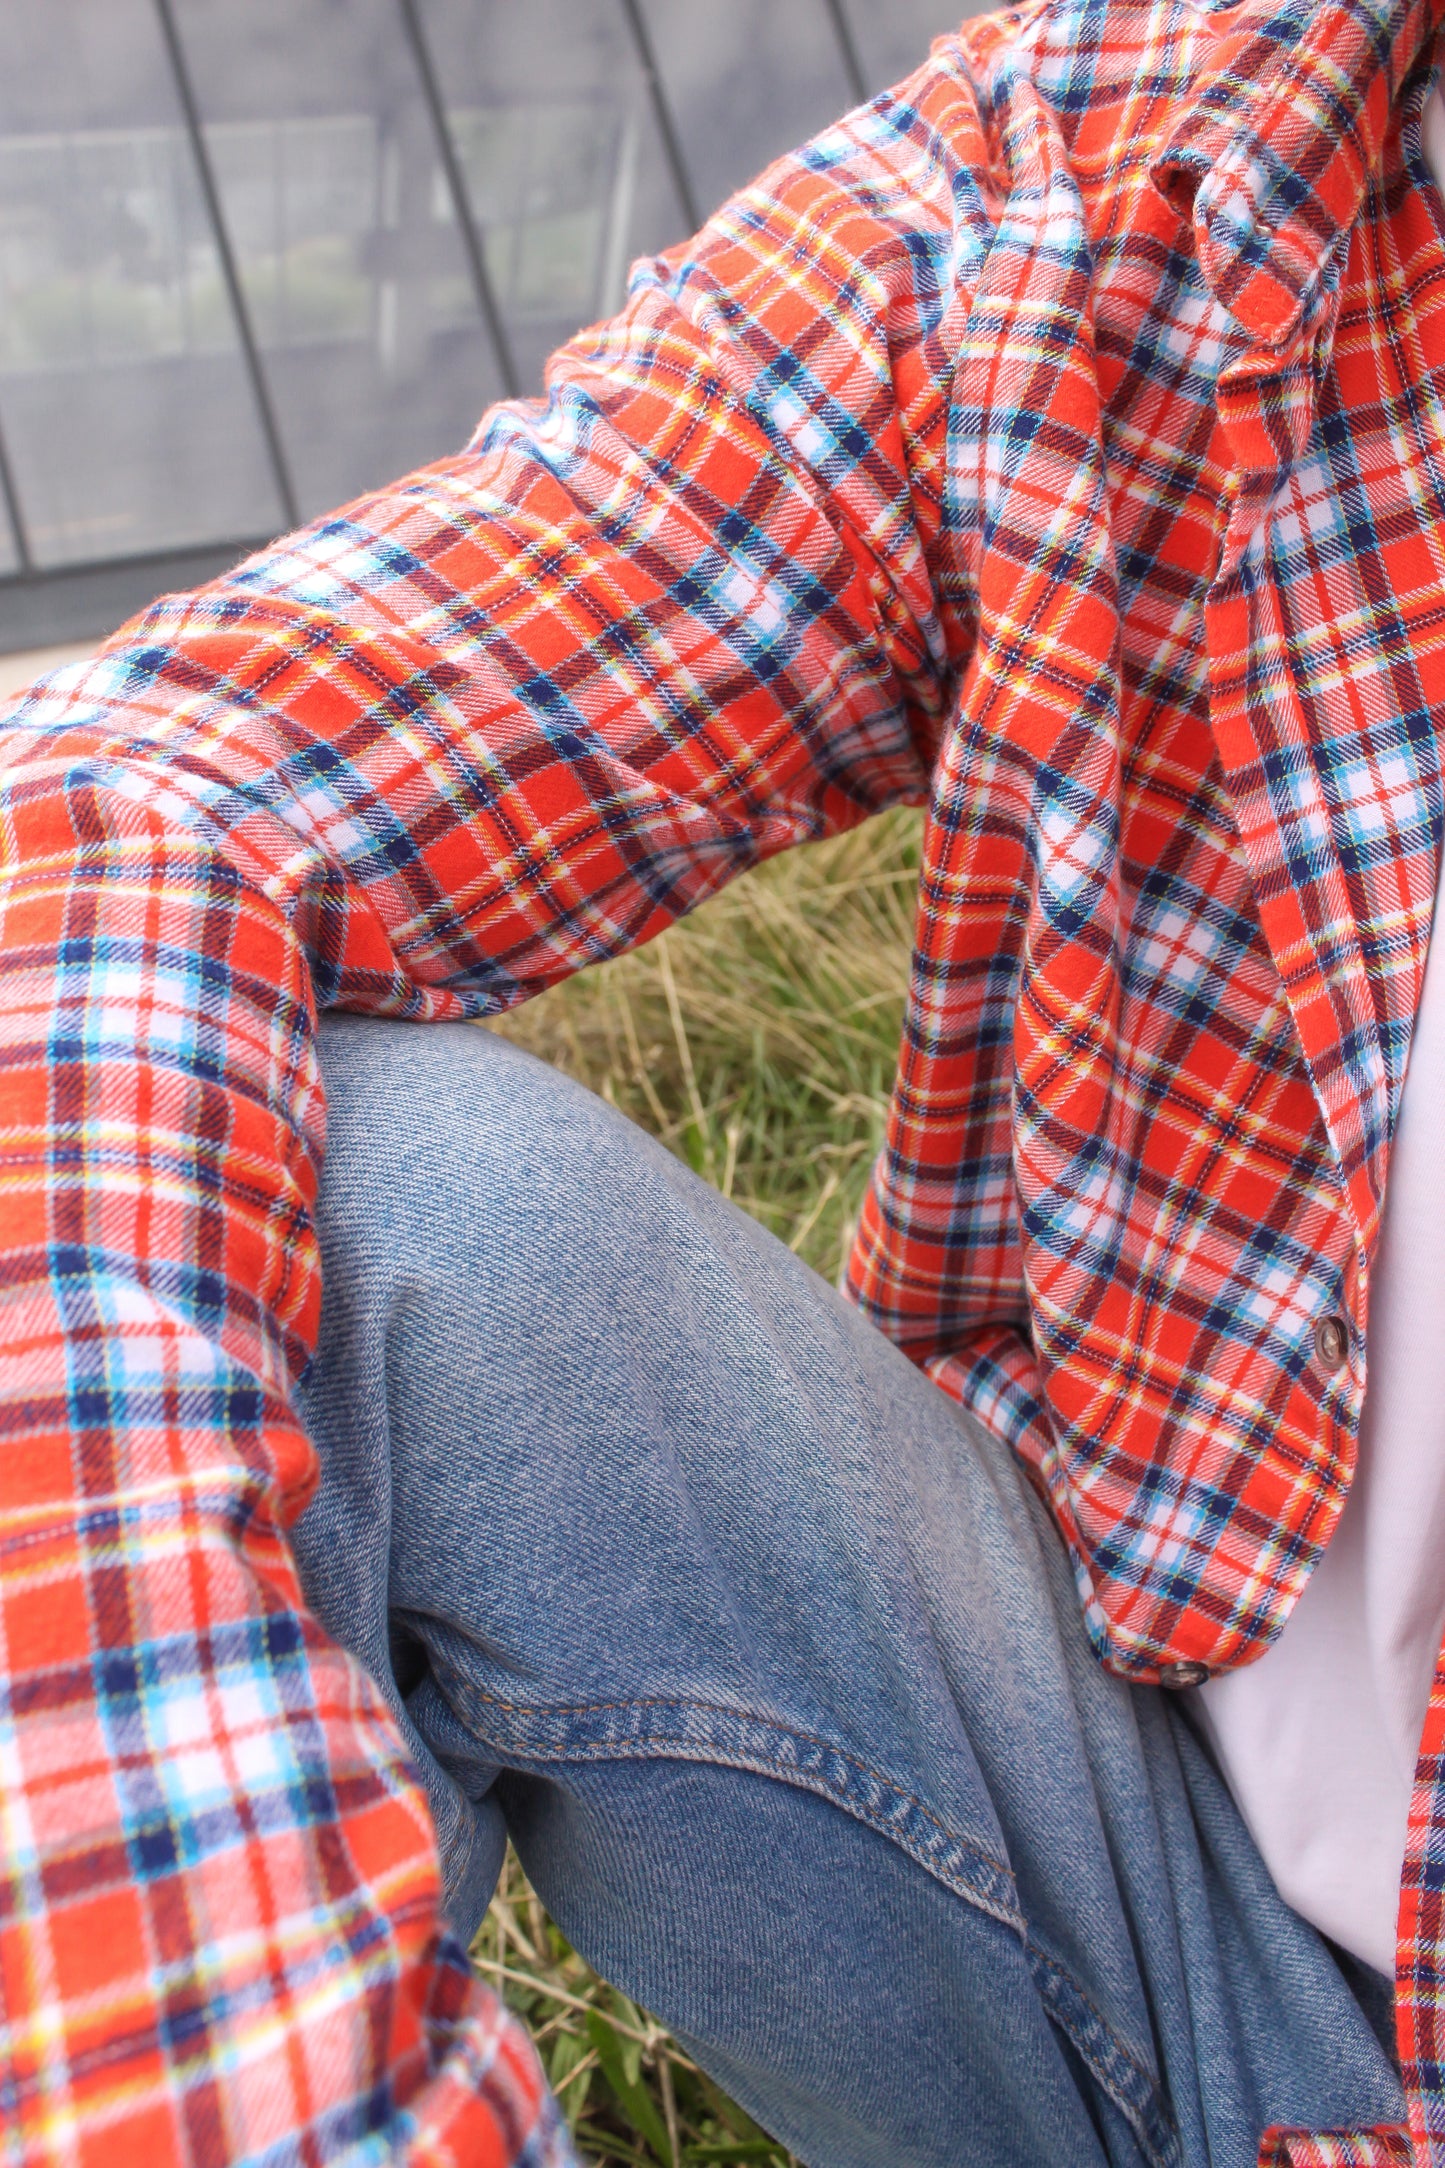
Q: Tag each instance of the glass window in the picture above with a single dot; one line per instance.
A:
(893, 39)
(745, 80)
(133, 423)
(566, 173)
(126, 407)
(354, 268)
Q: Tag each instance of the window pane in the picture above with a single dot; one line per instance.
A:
(565, 169)
(746, 80)
(124, 399)
(354, 269)
(893, 38)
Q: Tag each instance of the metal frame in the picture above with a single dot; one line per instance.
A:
(662, 113)
(120, 583)
(847, 44)
(260, 390)
(14, 514)
(461, 201)
(74, 602)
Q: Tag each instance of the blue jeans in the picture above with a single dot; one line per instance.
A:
(771, 1663)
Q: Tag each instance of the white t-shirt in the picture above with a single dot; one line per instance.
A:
(1318, 1739)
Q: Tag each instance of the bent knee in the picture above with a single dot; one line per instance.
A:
(446, 1144)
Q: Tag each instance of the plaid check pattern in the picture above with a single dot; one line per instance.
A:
(1059, 441)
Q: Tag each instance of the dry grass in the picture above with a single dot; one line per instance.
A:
(758, 1040)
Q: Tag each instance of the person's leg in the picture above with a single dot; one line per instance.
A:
(770, 1661)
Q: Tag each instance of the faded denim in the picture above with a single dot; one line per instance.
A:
(770, 1661)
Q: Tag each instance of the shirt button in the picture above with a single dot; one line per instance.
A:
(1332, 1342)
(1185, 1674)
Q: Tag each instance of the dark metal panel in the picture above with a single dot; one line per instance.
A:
(566, 167)
(892, 37)
(347, 242)
(259, 389)
(86, 601)
(666, 124)
(128, 413)
(852, 65)
(457, 189)
(746, 80)
(14, 545)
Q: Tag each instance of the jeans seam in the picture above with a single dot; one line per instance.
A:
(1130, 2085)
(1116, 2067)
(1121, 2073)
(786, 1731)
(718, 1708)
(999, 1899)
(705, 1708)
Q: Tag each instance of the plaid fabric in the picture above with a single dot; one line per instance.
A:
(1336, 2149)
(1057, 441)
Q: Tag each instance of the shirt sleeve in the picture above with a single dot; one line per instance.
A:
(421, 759)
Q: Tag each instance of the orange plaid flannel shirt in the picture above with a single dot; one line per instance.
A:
(1058, 442)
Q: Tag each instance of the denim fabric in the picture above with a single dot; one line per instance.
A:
(770, 1661)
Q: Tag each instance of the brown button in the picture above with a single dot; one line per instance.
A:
(1332, 1342)
(1186, 1674)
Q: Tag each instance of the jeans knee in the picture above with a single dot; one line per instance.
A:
(485, 1218)
(441, 1102)
(448, 1147)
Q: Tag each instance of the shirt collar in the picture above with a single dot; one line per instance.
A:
(1286, 121)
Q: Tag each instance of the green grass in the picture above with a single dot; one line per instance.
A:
(758, 1041)
(629, 2093)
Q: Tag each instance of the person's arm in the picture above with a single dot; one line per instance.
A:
(422, 759)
